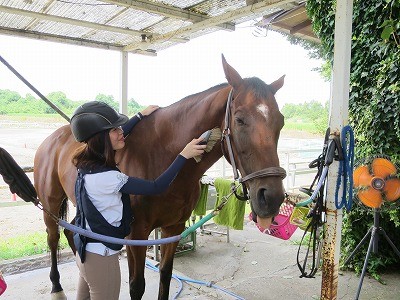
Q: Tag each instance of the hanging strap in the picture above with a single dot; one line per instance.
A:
(313, 243)
(317, 213)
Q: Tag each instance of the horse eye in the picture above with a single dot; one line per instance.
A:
(239, 121)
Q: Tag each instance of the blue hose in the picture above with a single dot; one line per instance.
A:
(346, 170)
(113, 240)
(317, 188)
(181, 279)
(118, 241)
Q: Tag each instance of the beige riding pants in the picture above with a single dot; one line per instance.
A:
(99, 277)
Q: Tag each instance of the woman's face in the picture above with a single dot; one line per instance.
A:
(117, 138)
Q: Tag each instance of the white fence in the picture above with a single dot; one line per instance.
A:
(294, 161)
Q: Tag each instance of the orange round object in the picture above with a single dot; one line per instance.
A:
(362, 177)
(370, 197)
(381, 167)
(392, 189)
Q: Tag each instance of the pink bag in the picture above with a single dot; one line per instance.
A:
(3, 284)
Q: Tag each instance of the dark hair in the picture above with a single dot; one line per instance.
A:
(97, 151)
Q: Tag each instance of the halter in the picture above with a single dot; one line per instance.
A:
(267, 172)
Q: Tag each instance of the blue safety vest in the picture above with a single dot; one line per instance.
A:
(98, 224)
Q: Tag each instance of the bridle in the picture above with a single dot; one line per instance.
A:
(267, 172)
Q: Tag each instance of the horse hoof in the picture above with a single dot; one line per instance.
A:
(58, 296)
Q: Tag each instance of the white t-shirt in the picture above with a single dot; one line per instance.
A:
(103, 190)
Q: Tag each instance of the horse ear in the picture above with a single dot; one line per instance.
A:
(277, 84)
(233, 77)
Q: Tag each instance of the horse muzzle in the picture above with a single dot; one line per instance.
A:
(265, 205)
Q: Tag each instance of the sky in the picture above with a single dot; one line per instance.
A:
(82, 72)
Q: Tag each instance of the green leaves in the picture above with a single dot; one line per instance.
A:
(388, 29)
(374, 105)
(12, 103)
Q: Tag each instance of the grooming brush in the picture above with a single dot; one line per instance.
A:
(210, 138)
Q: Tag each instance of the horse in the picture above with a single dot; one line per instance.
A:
(248, 115)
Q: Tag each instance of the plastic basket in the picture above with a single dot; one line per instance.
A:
(281, 226)
(299, 217)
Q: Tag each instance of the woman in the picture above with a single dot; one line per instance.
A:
(102, 193)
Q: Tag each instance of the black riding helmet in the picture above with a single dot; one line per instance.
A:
(93, 117)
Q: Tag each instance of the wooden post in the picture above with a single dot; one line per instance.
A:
(339, 106)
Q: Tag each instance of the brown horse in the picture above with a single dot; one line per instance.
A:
(254, 125)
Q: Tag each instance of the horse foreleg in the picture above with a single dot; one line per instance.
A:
(167, 261)
(136, 262)
(53, 237)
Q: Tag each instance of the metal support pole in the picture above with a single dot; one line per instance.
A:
(123, 101)
(339, 104)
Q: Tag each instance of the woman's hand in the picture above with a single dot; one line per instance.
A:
(149, 110)
(193, 148)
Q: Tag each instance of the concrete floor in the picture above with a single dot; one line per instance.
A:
(252, 265)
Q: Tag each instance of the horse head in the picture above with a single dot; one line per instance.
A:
(251, 131)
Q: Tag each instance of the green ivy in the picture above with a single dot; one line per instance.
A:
(374, 108)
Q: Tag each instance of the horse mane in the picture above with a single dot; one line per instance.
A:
(210, 90)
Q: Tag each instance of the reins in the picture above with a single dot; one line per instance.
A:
(331, 150)
(226, 136)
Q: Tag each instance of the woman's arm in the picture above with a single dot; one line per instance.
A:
(139, 186)
(128, 126)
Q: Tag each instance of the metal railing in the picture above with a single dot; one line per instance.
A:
(294, 161)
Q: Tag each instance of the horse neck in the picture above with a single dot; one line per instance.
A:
(157, 140)
(193, 116)
(198, 113)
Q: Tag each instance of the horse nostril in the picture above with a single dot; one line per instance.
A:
(268, 202)
(262, 197)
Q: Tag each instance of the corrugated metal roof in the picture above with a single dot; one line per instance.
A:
(294, 21)
(142, 26)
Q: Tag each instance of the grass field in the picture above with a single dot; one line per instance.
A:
(300, 126)
(26, 245)
(43, 118)
(57, 119)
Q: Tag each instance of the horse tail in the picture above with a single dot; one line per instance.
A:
(16, 178)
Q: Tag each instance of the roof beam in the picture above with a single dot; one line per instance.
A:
(44, 9)
(31, 14)
(59, 39)
(168, 11)
(226, 17)
(300, 26)
(86, 24)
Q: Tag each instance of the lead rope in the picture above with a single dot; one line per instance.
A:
(346, 170)
(314, 242)
(316, 215)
